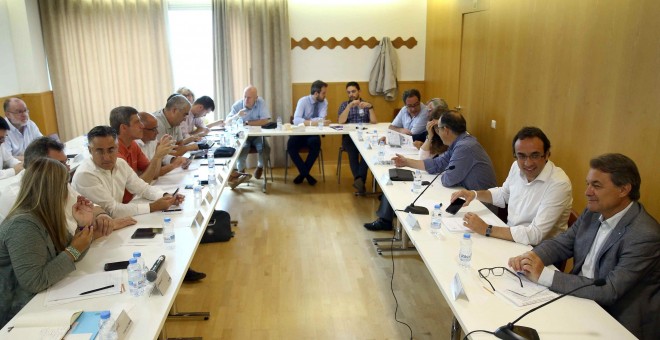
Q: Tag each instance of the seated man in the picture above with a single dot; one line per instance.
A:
(355, 110)
(169, 123)
(126, 122)
(537, 192)
(412, 118)
(148, 144)
(194, 123)
(22, 130)
(615, 240)
(50, 148)
(472, 168)
(309, 110)
(9, 166)
(103, 179)
(254, 112)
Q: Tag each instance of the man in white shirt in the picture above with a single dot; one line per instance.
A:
(615, 244)
(22, 129)
(9, 165)
(104, 177)
(47, 147)
(538, 194)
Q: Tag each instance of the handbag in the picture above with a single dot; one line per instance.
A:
(219, 228)
(223, 152)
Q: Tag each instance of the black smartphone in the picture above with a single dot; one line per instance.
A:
(455, 206)
(204, 182)
(142, 233)
(115, 266)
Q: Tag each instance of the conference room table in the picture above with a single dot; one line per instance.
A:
(148, 313)
(568, 318)
(332, 129)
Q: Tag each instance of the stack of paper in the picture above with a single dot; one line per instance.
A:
(530, 293)
(43, 325)
(84, 287)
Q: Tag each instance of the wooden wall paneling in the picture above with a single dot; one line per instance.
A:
(443, 49)
(585, 72)
(336, 94)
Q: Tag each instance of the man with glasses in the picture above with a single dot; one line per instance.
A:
(169, 120)
(103, 179)
(50, 148)
(22, 130)
(614, 239)
(412, 118)
(466, 162)
(9, 165)
(129, 128)
(148, 144)
(194, 123)
(538, 194)
(356, 110)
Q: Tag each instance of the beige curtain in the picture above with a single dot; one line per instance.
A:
(252, 45)
(103, 54)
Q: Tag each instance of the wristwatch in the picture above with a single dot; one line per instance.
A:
(489, 230)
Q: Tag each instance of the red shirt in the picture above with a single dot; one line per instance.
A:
(136, 159)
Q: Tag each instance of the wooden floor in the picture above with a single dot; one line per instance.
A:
(301, 266)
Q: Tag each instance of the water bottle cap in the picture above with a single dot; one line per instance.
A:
(132, 260)
(137, 254)
(437, 206)
(167, 220)
(467, 235)
(105, 314)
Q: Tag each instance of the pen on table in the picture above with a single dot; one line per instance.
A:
(96, 290)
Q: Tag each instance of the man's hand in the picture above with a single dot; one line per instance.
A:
(529, 264)
(430, 128)
(18, 167)
(162, 203)
(400, 161)
(467, 194)
(165, 146)
(178, 161)
(103, 225)
(475, 223)
(83, 211)
(124, 222)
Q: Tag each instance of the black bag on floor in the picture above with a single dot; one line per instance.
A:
(219, 228)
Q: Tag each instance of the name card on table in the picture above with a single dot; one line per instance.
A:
(123, 323)
(199, 219)
(385, 178)
(162, 282)
(457, 289)
(209, 197)
(412, 221)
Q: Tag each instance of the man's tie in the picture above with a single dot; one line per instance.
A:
(315, 111)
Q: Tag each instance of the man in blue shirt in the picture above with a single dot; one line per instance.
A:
(412, 118)
(355, 110)
(254, 112)
(470, 165)
(309, 110)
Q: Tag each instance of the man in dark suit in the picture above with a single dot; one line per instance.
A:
(614, 239)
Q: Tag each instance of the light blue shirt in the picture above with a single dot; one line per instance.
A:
(258, 111)
(305, 109)
(415, 124)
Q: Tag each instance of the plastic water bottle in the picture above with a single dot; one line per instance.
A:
(374, 137)
(239, 123)
(107, 327)
(360, 135)
(168, 230)
(197, 191)
(140, 262)
(211, 160)
(279, 123)
(320, 123)
(436, 217)
(135, 278)
(381, 152)
(361, 114)
(417, 182)
(465, 253)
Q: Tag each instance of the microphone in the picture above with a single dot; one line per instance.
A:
(420, 210)
(152, 274)
(512, 332)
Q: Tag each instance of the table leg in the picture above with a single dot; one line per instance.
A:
(176, 315)
(401, 242)
(265, 174)
(455, 329)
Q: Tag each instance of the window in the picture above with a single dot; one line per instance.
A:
(191, 45)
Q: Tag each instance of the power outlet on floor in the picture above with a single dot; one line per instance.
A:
(493, 124)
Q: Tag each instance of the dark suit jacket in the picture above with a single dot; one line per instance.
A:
(628, 261)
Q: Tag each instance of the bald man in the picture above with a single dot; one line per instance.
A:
(254, 112)
(169, 123)
(22, 131)
(148, 144)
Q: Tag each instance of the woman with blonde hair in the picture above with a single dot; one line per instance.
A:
(433, 145)
(36, 249)
(186, 92)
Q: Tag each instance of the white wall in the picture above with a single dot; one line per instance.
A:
(23, 59)
(352, 19)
